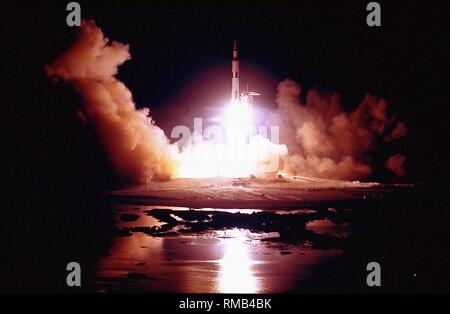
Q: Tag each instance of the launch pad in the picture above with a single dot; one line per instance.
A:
(273, 193)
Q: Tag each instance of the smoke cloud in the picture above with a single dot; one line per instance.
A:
(396, 164)
(399, 131)
(136, 147)
(325, 141)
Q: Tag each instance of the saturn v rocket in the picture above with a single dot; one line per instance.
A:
(235, 75)
(237, 97)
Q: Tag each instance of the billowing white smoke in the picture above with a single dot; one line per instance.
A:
(135, 146)
(325, 141)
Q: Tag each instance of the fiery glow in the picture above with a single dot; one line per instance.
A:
(234, 151)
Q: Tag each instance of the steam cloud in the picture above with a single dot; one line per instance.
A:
(396, 164)
(136, 147)
(325, 141)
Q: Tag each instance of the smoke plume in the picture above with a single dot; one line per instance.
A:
(325, 141)
(396, 165)
(136, 147)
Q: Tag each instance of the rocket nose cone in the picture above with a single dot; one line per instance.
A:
(235, 45)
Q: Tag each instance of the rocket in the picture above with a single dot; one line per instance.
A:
(235, 74)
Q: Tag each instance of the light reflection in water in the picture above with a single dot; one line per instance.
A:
(235, 268)
(216, 261)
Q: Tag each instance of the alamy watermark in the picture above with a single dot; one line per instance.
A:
(374, 17)
(241, 143)
(74, 16)
(373, 279)
(73, 278)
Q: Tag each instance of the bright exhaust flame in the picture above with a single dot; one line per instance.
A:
(233, 149)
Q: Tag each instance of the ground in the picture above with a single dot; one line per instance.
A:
(250, 193)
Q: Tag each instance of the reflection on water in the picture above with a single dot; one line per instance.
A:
(325, 226)
(235, 272)
(178, 208)
(228, 260)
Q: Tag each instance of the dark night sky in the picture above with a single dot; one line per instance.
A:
(323, 44)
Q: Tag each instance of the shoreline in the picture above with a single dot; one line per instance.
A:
(254, 194)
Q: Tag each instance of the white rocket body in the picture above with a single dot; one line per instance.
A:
(235, 75)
